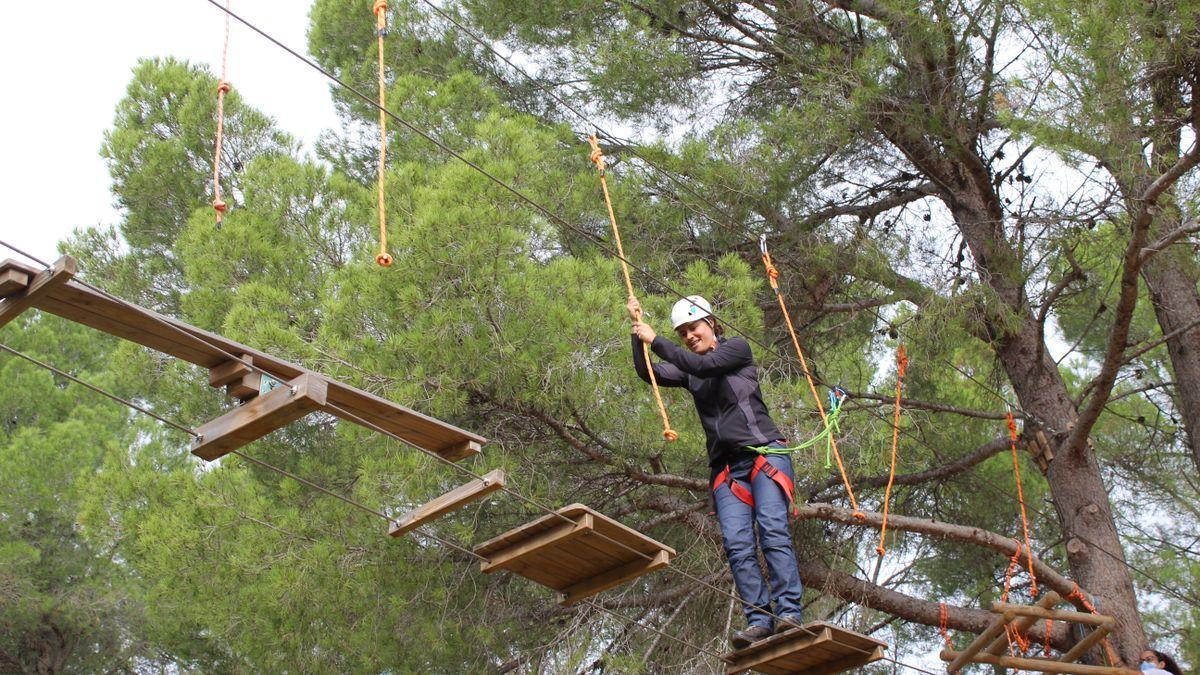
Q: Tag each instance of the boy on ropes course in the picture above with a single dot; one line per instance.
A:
(750, 484)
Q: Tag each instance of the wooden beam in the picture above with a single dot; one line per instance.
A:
(459, 450)
(260, 417)
(985, 638)
(1041, 665)
(12, 281)
(613, 577)
(1021, 625)
(555, 535)
(59, 273)
(452, 500)
(1080, 648)
(1053, 614)
(229, 372)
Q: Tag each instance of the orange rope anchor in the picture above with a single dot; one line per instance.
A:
(773, 276)
(222, 88)
(597, 157)
(1012, 436)
(901, 368)
(380, 11)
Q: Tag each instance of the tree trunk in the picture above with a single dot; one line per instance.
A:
(1171, 279)
(1080, 497)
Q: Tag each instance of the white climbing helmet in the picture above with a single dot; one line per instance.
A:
(692, 308)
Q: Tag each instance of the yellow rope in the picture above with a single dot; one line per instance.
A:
(380, 10)
(597, 157)
(773, 276)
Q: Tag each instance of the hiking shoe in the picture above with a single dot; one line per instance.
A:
(745, 638)
(787, 622)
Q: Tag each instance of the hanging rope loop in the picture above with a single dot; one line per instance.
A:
(597, 158)
(223, 88)
(812, 386)
(383, 258)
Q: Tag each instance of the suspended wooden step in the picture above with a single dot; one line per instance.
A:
(451, 501)
(577, 557)
(991, 644)
(23, 287)
(815, 649)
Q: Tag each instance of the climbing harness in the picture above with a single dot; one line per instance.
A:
(837, 396)
(380, 10)
(222, 88)
(761, 464)
(773, 277)
(901, 368)
(597, 157)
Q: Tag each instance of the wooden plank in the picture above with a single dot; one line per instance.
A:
(1041, 665)
(985, 638)
(260, 417)
(556, 535)
(229, 372)
(246, 387)
(760, 653)
(452, 500)
(522, 532)
(12, 281)
(40, 284)
(1036, 613)
(1080, 648)
(613, 577)
(846, 663)
(1047, 601)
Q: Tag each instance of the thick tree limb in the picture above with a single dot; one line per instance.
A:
(989, 449)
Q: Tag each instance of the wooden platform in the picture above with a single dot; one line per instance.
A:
(24, 286)
(815, 649)
(574, 558)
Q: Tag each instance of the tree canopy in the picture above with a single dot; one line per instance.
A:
(1005, 187)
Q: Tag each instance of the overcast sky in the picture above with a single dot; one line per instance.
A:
(67, 66)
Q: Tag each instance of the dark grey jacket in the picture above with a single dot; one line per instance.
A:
(724, 386)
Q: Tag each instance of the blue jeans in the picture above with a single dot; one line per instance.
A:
(770, 512)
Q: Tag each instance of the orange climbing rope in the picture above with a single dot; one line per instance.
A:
(773, 276)
(380, 11)
(1109, 652)
(1016, 640)
(901, 368)
(944, 621)
(597, 158)
(222, 88)
(1012, 436)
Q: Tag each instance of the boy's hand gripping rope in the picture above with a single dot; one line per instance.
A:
(380, 10)
(222, 88)
(597, 157)
(773, 276)
(901, 368)
(1012, 437)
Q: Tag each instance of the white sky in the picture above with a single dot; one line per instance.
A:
(67, 66)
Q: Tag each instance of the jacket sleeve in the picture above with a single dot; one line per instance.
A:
(666, 374)
(734, 353)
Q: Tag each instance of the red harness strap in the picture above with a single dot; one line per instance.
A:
(738, 490)
(781, 479)
(745, 496)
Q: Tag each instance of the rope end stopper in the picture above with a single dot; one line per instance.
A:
(670, 435)
(384, 260)
(859, 515)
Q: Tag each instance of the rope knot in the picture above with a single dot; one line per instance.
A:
(219, 206)
(901, 362)
(670, 435)
(859, 515)
(1012, 427)
(597, 155)
(223, 87)
(379, 7)
(384, 260)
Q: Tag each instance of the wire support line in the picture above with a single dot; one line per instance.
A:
(98, 390)
(305, 481)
